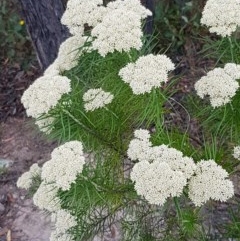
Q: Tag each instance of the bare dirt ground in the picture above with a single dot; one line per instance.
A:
(22, 144)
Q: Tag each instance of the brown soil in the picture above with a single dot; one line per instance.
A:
(24, 145)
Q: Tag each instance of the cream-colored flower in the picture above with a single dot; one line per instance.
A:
(146, 73)
(119, 30)
(69, 52)
(209, 182)
(161, 172)
(44, 94)
(66, 163)
(157, 181)
(142, 134)
(218, 85)
(81, 12)
(141, 149)
(63, 221)
(222, 17)
(130, 5)
(46, 197)
(96, 98)
(45, 125)
(233, 70)
(26, 179)
(52, 69)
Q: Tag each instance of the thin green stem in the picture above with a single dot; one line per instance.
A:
(111, 112)
(78, 122)
(179, 212)
(96, 135)
(231, 48)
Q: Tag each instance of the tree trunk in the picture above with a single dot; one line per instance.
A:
(148, 28)
(46, 31)
(44, 27)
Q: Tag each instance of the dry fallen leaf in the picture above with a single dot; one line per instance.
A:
(9, 238)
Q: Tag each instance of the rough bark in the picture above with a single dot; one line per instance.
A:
(148, 28)
(44, 27)
(46, 31)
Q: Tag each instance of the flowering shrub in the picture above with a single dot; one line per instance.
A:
(104, 98)
(148, 72)
(219, 84)
(221, 16)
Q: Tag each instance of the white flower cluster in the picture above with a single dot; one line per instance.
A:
(69, 53)
(130, 5)
(46, 197)
(161, 172)
(26, 179)
(63, 221)
(115, 27)
(44, 94)
(140, 148)
(157, 181)
(52, 69)
(96, 98)
(209, 182)
(236, 152)
(80, 12)
(66, 163)
(221, 16)
(148, 72)
(119, 30)
(220, 84)
(44, 125)
(233, 70)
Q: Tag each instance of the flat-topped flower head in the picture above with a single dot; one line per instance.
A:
(233, 70)
(119, 30)
(174, 158)
(221, 16)
(96, 98)
(81, 12)
(45, 125)
(26, 179)
(66, 163)
(157, 181)
(44, 94)
(130, 5)
(52, 69)
(141, 149)
(146, 73)
(142, 134)
(69, 52)
(46, 197)
(209, 182)
(219, 85)
(63, 221)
